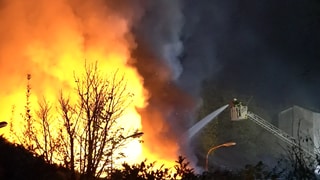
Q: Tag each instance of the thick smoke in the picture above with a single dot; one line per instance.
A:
(161, 28)
(264, 49)
(159, 45)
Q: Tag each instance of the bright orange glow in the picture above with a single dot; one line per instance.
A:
(51, 40)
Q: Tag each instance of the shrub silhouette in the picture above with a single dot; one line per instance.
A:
(18, 163)
(146, 170)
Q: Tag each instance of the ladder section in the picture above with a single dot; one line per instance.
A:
(276, 131)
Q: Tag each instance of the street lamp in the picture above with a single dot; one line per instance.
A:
(3, 124)
(135, 135)
(216, 147)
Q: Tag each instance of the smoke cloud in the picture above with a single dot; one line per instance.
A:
(161, 28)
(159, 45)
(264, 49)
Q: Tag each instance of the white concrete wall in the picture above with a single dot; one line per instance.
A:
(298, 121)
(316, 131)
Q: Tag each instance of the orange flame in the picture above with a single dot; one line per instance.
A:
(52, 39)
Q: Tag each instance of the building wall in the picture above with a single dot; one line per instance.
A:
(301, 122)
(316, 131)
(285, 121)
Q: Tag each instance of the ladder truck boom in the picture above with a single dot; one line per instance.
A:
(271, 128)
(276, 131)
(240, 112)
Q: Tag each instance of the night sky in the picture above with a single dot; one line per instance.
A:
(268, 49)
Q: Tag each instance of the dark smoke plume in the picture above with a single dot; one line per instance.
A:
(265, 49)
(159, 46)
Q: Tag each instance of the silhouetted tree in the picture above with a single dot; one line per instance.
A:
(87, 137)
(70, 119)
(46, 143)
(298, 163)
(101, 102)
(27, 140)
(183, 169)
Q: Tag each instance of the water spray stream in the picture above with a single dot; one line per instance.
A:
(196, 128)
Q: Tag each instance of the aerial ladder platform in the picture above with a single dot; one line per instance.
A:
(240, 112)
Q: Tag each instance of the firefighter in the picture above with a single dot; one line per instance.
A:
(235, 102)
(237, 105)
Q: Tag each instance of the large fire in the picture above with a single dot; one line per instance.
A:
(51, 40)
